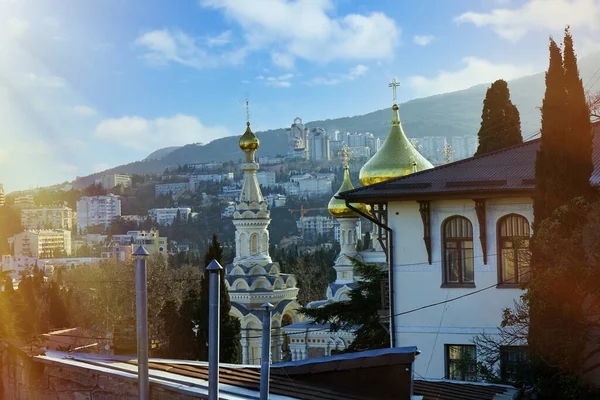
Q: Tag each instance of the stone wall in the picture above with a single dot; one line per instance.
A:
(23, 378)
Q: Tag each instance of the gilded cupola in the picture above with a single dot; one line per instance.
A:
(337, 207)
(396, 157)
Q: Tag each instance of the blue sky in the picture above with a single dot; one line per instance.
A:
(86, 85)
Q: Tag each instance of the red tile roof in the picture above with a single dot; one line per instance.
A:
(507, 172)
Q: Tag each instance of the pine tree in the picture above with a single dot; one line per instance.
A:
(500, 120)
(230, 326)
(361, 310)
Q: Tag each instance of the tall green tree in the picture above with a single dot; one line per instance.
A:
(559, 296)
(230, 329)
(360, 313)
(500, 120)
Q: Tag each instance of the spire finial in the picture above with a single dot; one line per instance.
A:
(394, 84)
(345, 154)
(247, 110)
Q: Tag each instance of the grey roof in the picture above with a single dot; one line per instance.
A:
(506, 172)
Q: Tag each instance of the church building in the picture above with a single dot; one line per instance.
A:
(457, 238)
(253, 278)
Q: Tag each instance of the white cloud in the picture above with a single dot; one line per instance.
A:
(475, 71)
(586, 45)
(149, 134)
(84, 111)
(282, 81)
(333, 79)
(45, 81)
(284, 60)
(15, 28)
(165, 46)
(423, 40)
(220, 40)
(310, 30)
(545, 15)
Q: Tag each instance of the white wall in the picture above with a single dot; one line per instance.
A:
(416, 283)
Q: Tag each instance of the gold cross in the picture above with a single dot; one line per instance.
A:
(247, 110)
(345, 153)
(394, 85)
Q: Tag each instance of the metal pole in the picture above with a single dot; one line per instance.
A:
(214, 270)
(141, 308)
(265, 359)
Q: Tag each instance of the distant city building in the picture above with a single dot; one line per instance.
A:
(122, 246)
(266, 178)
(314, 187)
(216, 178)
(266, 160)
(48, 218)
(170, 189)
(109, 181)
(2, 199)
(43, 243)
(432, 147)
(275, 200)
(318, 145)
(316, 225)
(166, 216)
(297, 140)
(138, 219)
(228, 210)
(207, 166)
(24, 201)
(335, 146)
(24, 265)
(290, 188)
(97, 210)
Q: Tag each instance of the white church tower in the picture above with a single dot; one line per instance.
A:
(253, 279)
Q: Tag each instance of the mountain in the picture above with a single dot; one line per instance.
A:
(161, 153)
(450, 114)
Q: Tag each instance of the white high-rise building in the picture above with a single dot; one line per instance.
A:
(318, 145)
(97, 210)
(47, 218)
(166, 216)
(266, 179)
(297, 140)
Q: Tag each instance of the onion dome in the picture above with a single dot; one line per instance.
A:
(337, 207)
(396, 157)
(249, 143)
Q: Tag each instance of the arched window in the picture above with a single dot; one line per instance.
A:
(254, 244)
(513, 249)
(457, 235)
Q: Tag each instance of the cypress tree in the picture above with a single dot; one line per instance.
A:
(500, 120)
(563, 170)
(230, 326)
(552, 172)
(580, 133)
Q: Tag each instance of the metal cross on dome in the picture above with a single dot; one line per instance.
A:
(345, 154)
(247, 109)
(394, 84)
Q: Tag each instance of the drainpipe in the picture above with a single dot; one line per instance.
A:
(390, 259)
(265, 358)
(214, 272)
(141, 310)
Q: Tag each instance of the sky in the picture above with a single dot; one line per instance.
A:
(90, 84)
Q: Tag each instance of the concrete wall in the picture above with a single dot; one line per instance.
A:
(417, 283)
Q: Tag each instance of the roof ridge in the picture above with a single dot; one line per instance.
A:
(443, 166)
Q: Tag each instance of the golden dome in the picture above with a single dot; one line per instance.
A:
(249, 141)
(337, 207)
(396, 157)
